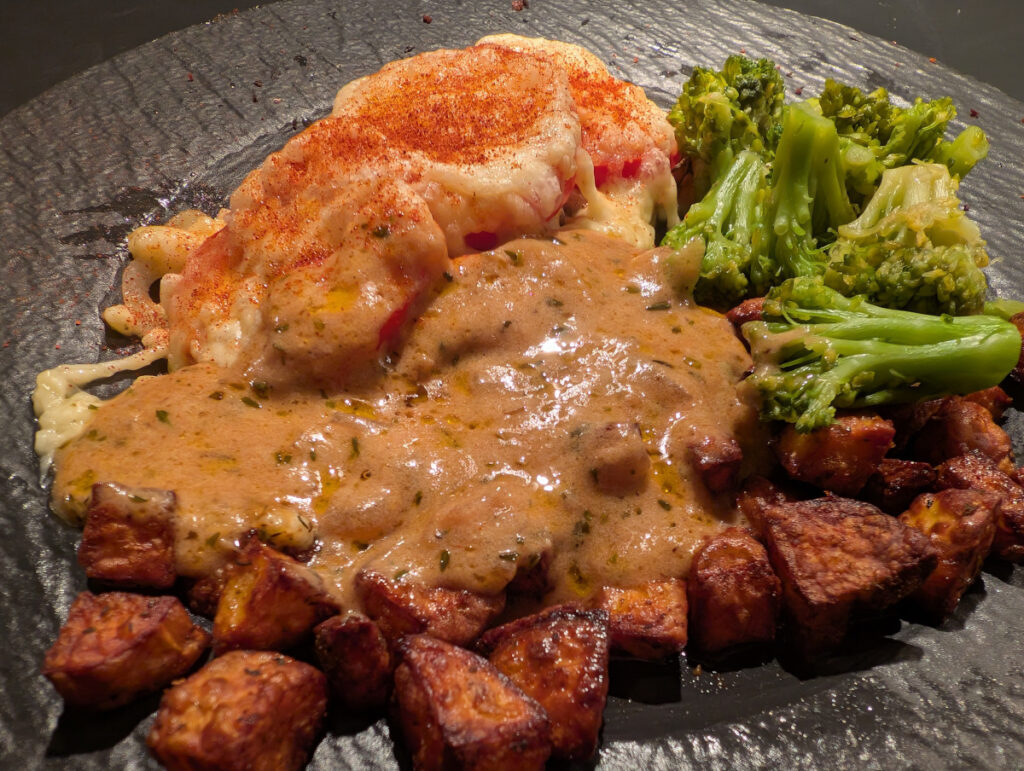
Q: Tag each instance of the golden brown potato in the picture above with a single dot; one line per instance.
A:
(456, 710)
(649, 621)
(976, 472)
(733, 594)
(755, 496)
(839, 458)
(354, 655)
(203, 594)
(402, 607)
(993, 399)
(560, 658)
(244, 711)
(897, 483)
(717, 460)
(960, 427)
(128, 539)
(116, 646)
(961, 525)
(269, 602)
(911, 418)
(837, 556)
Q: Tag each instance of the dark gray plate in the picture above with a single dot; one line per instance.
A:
(177, 123)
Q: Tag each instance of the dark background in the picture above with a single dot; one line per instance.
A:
(42, 42)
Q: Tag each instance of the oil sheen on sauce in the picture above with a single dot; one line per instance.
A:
(542, 407)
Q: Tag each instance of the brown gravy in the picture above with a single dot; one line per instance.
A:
(541, 371)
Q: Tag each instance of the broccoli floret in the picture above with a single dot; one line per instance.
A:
(912, 247)
(819, 350)
(719, 114)
(961, 155)
(876, 135)
(758, 234)
(808, 197)
(730, 222)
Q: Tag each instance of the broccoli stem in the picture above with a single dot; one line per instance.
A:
(808, 191)
(821, 351)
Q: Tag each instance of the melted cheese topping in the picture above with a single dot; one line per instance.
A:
(538, 373)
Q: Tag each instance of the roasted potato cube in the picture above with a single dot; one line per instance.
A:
(993, 399)
(717, 460)
(911, 418)
(961, 427)
(839, 458)
(244, 711)
(733, 594)
(128, 539)
(269, 602)
(203, 594)
(976, 472)
(116, 646)
(748, 310)
(616, 457)
(560, 658)
(648, 621)
(897, 483)
(961, 525)
(837, 556)
(402, 607)
(354, 655)
(456, 710)
(755, 497)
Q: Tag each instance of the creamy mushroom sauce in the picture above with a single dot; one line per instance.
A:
(542, 405)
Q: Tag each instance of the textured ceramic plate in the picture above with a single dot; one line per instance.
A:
(177, 123)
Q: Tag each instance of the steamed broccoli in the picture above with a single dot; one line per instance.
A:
(808, 195)
(820, 350)
(877, 135)
(718, 114)
(912, 247)
(778, 182)
(757, 234)
(731, 223)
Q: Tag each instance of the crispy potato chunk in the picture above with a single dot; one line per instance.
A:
(976, 472)
(755, 497)
(839, 458)
(269, 602)
(116, 646)
(128, 539)
(203, 594)
(649, 621)
(718, 461)
(960, 427)
(354, 655)
(401, 608)
(560, 658)
(993, 399)
(837, 556)
(244, 711)
(456, 710)
(961, 525)
(733, 593)
(897, 483)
